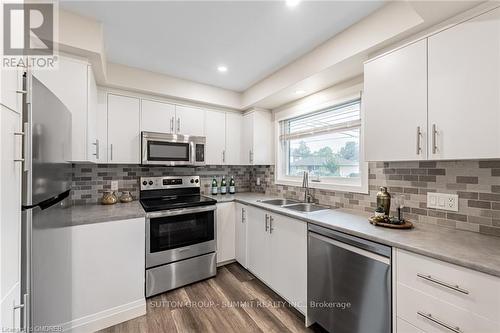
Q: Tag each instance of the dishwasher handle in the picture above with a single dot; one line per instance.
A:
(364, 244)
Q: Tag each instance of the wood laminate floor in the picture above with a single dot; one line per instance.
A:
(233, 301)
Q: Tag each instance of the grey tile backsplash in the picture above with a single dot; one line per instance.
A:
(477, 184)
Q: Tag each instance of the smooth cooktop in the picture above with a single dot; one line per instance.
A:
(175, 201)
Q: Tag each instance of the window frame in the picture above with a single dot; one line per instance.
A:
(327, 183)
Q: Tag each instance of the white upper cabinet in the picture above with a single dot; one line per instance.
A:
(395, 105)
(437, 98)
(123, 129)
(215, 127)
(464, 90)
(256, 144)
(234, 124)
(223, 133)
(157, 116)
(10, 86)
(189, 120)
(72, 83)
(102, 126)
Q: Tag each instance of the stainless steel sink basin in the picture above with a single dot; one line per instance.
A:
(280, 202)
(306, 207)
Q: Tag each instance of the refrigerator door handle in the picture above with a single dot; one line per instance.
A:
(49, 202)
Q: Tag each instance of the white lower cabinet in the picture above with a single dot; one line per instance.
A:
(277, 254)
(402, 326)
(225, 231)
(10, 219)
(241, 234)
(436, 296)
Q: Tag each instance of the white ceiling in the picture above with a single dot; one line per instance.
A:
(190, 39)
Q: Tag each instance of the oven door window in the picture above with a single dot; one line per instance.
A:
(172, 232)
(168, 151)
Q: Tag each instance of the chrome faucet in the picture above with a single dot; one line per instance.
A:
(308, 198)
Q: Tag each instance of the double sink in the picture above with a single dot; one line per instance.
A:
(295, 205)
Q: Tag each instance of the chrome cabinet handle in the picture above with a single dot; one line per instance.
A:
(96, 144)
(430, 317)
(243, 215)
(434, 139)
(419, 136)
(111, 152)
(172, 124)
(267, 221)
(24, 92)
(223, 156)
(20, 159)
(271, 219)
(442, 283)
(250, 153)
(178, 125)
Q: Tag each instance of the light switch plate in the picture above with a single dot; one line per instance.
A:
(114, 185)
(443, 201)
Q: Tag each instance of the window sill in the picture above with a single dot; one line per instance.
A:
(326, 186)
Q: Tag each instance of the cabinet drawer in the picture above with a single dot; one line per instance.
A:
(402, 326)
(462, 287)
(433, 315)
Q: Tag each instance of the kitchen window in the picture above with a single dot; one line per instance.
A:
(327, 144)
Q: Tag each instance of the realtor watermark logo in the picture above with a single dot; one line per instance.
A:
(29, 32)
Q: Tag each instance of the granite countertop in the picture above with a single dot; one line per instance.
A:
(464, 248)
(96, 213)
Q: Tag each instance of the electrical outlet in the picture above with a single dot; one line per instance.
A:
(443, 201)
(114, 185)
(258, 181)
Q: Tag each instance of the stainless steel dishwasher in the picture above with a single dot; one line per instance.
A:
(348, 283)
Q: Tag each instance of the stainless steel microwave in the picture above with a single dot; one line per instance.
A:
(172, 149)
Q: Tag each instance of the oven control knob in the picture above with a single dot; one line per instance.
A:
(196, 181)
(192, 181)
(150, 182)
(144, 183)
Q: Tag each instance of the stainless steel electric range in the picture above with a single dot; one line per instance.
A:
(180, 232)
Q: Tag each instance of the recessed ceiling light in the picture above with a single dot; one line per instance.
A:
(292, 3)
(222, 68)
(300, 92)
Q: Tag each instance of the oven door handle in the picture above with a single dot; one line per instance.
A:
(181, 211)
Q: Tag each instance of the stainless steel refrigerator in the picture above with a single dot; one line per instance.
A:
(46, 190)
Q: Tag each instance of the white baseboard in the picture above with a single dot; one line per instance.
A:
(106, 318)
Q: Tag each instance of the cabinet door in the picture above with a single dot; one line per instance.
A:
(10, 217)
(123, 129)
(289, 259)
(395, 105)
(234, 122)
(263, 142)
(69, 83)
(157, 116)
(215, 127)
(190, 121)
(258, 245)
(102, 126)
(241, 234)
(10, 83)
(225, 231)
(247, 139)
(92, 139)
(464, 85)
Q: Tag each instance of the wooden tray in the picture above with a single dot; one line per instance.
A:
(405, 225)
